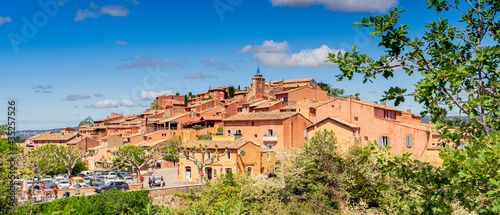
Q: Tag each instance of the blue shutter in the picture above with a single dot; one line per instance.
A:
(411, 140)
(380, 141)
(388, 141)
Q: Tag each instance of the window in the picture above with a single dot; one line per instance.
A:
(253, 123)
(366, 139)
(268, 156)
(305, 133)
(383, 141)
(249, 170)
(228, 132)
(228, 170)
(357, 134)
(299, 110)
(209, 154)
(409, 141)
(187, 153)
(355, 119)
(228, 155)
(285, 99)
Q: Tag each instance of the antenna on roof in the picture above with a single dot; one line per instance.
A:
(258, 70)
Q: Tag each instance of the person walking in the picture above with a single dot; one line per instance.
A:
(55, 190)
(150, 182)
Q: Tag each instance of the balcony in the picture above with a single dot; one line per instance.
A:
(270, 138)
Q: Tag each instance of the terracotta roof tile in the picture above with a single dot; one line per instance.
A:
(216, 118)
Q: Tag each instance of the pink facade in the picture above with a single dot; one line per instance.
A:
(399, 129)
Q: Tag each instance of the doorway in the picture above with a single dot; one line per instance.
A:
(208, 172)
(188, 173)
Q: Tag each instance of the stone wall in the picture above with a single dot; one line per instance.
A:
(165, 196)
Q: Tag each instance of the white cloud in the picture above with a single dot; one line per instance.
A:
(128, 103)
(115, 10)
(198, 75)
(146, 63)
(112, 10)
(151, 95)
(379, 6)
(4, 20)
(276, 54)
(123, 43)
(108, 103)
(76, 97)
(267, 46)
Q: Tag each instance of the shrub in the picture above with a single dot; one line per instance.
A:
(204, 136)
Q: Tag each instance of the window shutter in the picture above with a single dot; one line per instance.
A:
(305, 133)
(274, 133)
(380, 141)
(411, 140)
(388, 141)
(267, 132)
(407, 141)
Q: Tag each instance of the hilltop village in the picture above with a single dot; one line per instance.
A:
(256, 124)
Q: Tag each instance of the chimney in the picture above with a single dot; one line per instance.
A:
(383, 103)
(408, 110)
(375, 102)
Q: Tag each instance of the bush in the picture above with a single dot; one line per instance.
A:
(204, 136)
(111, 202)
(197, 127)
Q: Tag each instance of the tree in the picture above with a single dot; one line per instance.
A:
(330, 90)
(189, 155)
(87, 121)
(230, 91)
(155, 106)
(69, 155)
(458, 67)
(177, 93)
(136, 157)
(239, 88)
(3, 129)
(185, 100)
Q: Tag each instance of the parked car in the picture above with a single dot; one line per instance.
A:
(120, 185)
(111, 178)
(111, 173)
(156, 181)
(74, 186)
(87, 173)
(128, 179)
(77, 180)
(98, 172)
(86, 179)
(122, 175)
(63, 184)
(47, 178)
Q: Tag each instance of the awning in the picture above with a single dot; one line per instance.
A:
(194, 122)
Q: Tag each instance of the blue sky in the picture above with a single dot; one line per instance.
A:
(66, 60)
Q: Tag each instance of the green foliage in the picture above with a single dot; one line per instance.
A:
(60, 168)
(185, 100)
(458, 71)
(106, 123)
(155, 106)
(111, 202)
(87, 121)
(220, 128)
(204, 136)
(239, 88)
(230, 91)
(330, 90)
(198, 127)
(3, 129)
